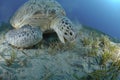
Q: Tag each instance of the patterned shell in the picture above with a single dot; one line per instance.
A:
(38, 13)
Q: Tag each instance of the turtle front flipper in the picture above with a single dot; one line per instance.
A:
(24, 37)
(64, 29)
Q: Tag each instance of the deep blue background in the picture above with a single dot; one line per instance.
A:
(103, 15)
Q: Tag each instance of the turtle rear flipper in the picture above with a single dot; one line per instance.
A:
(24, 37)
(64, 29)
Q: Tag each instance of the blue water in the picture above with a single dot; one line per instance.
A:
(103, 15)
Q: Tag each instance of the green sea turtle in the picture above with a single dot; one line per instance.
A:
(35, 17)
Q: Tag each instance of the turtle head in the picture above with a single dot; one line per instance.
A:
(64, 29)
(18, 21)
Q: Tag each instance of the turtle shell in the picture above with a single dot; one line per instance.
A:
(37, 13)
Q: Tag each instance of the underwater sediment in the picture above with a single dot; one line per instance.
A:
(94, 56)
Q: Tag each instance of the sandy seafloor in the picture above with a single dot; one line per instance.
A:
(94, 56)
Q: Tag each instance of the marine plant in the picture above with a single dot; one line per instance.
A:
(10, 61)
(60, 47)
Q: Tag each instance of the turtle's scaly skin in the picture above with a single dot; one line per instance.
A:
(44, 14)
(64, 29)
(18, 37)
